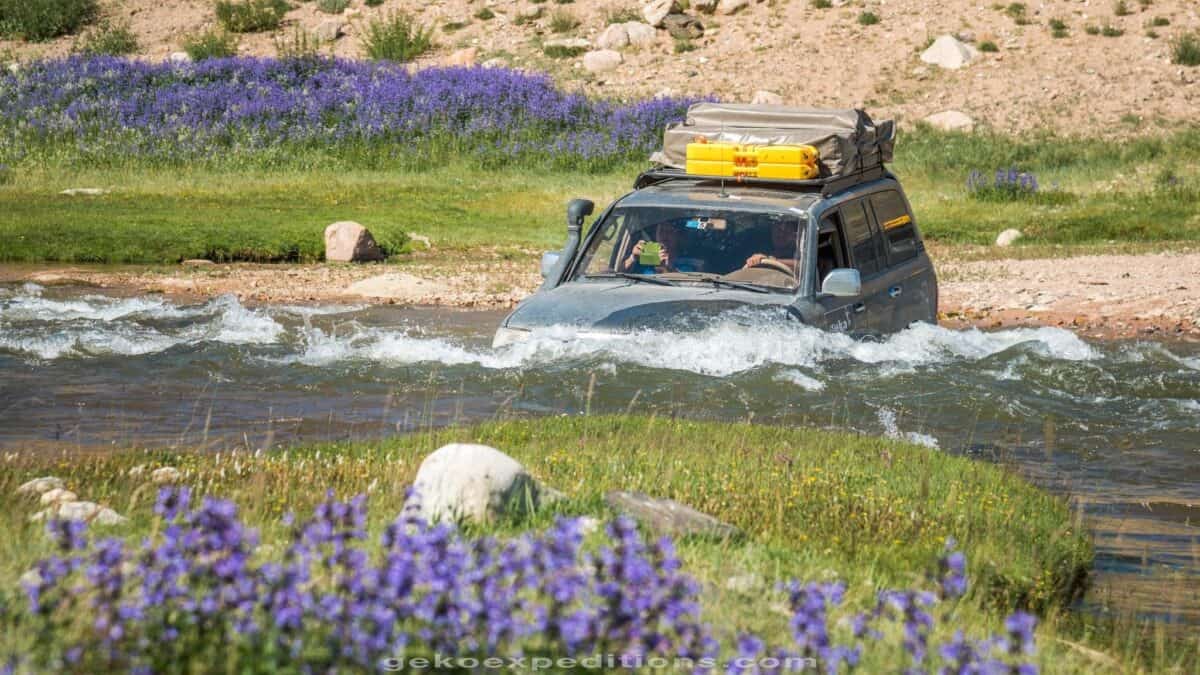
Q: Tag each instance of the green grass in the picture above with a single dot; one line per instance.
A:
(108, 39)
(1106, 191)
(868, 19)
(212, 44)
(251, 16)
(813, 504)
(1185, 49)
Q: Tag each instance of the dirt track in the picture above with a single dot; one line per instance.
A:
(1096, 295)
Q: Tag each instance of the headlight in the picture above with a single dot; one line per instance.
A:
(507, 336)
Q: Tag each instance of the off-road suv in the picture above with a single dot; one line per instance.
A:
(841, 252)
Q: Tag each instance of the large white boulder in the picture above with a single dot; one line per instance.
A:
(89, 512)
(601, 60)
(58, 496)
(656, 10)
(613, 37)
(347, 241)
(477, 483)
(166, 475)
(640, 34)
(951, 120)
(1007, 237)
(40, 486)
(949, 52)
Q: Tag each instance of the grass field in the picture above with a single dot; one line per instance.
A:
(815, 505)
(1142, 193)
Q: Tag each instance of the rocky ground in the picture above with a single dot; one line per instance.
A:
(1111, 67)
(1102, 296)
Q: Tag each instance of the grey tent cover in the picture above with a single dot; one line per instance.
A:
(847, 140)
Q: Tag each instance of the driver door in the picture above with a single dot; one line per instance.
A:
(842, 314)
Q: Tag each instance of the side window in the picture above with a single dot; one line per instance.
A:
(831, 249)
(860, 239)
(897, 225)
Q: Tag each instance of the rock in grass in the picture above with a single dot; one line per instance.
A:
(668, 517)
(83, 192)
(601, 60)
(949, 52)
(179, 58)
(40, 486)
(165, 475)
(347, 241)
(1007, 237)
(951, 120)
(475, 483)
(58, 496)
(89, 512)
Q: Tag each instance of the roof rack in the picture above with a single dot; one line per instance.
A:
(826, 186)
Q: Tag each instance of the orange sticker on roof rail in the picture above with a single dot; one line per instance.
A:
(897, 222)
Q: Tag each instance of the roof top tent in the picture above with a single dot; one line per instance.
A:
(852, 148)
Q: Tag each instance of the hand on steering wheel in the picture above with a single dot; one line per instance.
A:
(761, 260)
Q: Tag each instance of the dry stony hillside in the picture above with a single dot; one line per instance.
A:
(792, 50)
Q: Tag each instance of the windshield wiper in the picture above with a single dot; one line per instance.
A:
(637, 277)
(716, 280)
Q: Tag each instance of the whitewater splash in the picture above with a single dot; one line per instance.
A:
(35, 325)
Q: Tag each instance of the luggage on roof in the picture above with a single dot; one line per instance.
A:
(848, 142)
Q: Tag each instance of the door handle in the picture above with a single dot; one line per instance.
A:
(860, 307)
(895, 291)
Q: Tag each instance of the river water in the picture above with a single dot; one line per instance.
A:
(1114, 425)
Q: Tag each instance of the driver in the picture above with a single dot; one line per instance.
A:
(670, 237)
(783, 247)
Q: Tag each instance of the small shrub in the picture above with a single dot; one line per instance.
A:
(622, 16)
(684, 45)
(41, 20)
(1091, 30)
(213, 44)
(372, 3)
(1151, 33)
(988, 46)
(1121, 8)
(564, 2)
(562, 51)
(107, 39)
(821, 4)
(251, 16)
(299, 45)
(868, 19)
(1111, 31)
(485, 14)
(397, 38)
(1160, 21)
(451, 26)
(1185, 50)
(562, 21)
(1057, 24)
(332, 6)
(1016, 11)
(522, 19)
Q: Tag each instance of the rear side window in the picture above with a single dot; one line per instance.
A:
(897, 225)
(860, 239)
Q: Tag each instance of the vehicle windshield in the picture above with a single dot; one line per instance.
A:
(747, 248)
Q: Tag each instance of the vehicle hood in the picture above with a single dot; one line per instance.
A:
(625, 305)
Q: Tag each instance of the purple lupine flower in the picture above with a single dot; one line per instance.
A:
(70, 535)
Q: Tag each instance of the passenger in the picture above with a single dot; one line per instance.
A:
(670, 237)
(783, 247)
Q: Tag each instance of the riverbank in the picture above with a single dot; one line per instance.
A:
(814, 505)
(1099, 292)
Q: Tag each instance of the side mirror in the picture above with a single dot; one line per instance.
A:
(842, 283)
(577, 210)
(549, 262)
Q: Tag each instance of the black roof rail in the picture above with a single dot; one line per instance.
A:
(826, 186)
